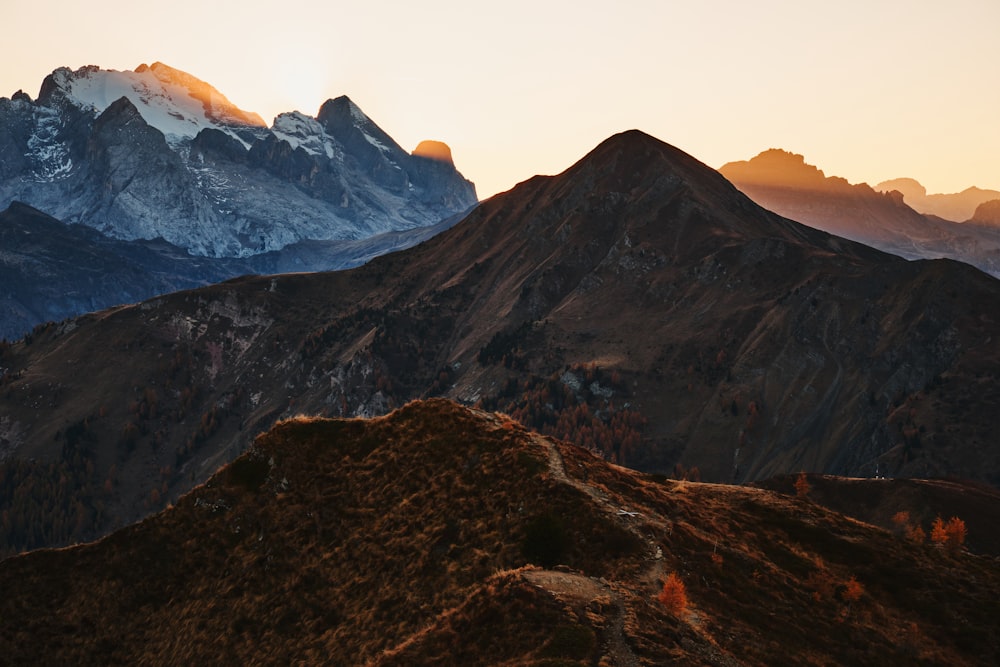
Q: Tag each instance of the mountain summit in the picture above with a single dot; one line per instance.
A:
(158, 153)
(637, 304)
(956, 207)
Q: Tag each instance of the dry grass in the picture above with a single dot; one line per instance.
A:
(403, 540)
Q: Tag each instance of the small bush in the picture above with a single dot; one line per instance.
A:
(801, 486)
(673, 595)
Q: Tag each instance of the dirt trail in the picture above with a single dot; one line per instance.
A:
(578, 591)
(557, 468)
(582, 590)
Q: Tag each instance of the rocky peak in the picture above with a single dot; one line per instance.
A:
(988, 213)
(434, 150)
(775, 167)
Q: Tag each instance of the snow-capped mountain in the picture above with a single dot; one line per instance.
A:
(158, 153)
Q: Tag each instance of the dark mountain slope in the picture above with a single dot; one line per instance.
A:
(637, 304)
(878, 502)
(444, 534)
(51, 271)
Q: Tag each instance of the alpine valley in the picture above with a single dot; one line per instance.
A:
(164, 162)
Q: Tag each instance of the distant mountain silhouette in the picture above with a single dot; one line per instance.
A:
(784, 183)
(957, 207)
(987, 213)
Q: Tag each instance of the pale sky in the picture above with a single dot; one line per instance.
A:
(864, 89)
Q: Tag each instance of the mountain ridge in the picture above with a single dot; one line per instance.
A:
(443, 533)
(637, 304)
(187, 165)
(955, 207)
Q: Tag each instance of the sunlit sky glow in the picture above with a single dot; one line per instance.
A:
(864, 89)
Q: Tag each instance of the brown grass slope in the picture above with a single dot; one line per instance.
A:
(637, 303)
(444, 535)
(878, 501)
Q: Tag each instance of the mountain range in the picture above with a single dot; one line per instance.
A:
(168, 173)
(883, 217)
(637, 304)
(158, 153)
(51, 271)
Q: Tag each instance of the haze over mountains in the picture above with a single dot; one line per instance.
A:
(881, 217)
(957, 207)
(637, 304)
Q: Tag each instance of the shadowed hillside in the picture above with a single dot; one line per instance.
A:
(441, 533)
(637, 304)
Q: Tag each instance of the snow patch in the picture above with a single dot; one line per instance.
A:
(305, 132)
(175, 103)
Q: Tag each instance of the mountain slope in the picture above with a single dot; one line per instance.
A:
(782, 182)
(157, 153)
(637, 304)
(51, 271)
(440, 533)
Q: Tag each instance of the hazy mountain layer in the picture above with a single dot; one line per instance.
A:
(782, 182)
(957, 207)
(51, 271)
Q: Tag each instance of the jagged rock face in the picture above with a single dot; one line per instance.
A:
(988, 213)
(156, 153)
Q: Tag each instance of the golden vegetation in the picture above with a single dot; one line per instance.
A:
(418, 538)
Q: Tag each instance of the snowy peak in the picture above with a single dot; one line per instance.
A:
(216, 105)
(172, 101)
(305, 132)
(157, 152)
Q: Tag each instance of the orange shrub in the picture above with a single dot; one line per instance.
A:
(853, 590)
(673, 596)
(801, 486)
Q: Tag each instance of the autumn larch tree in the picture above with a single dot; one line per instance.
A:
(673, 596)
